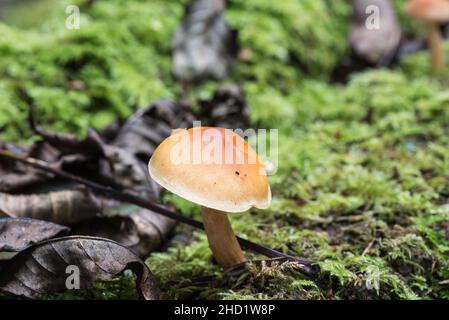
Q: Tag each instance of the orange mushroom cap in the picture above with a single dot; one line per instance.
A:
(213, 167)
(429, 10)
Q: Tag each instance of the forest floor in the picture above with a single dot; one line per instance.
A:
(363, 168)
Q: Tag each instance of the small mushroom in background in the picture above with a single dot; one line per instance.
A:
(204, 46)
(377, 44)
(217, 169)
(433, 13)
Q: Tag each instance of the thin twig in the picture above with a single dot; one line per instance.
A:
(368, 247)
(307, 267)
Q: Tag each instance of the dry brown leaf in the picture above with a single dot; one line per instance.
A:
(43, 268)
(141, 230)
(18, 233)
(64, 207)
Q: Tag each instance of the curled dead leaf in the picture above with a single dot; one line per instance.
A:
(42, 269)
(18, 233)
(130, 173)
(377, 46)
(146, 129)
(228, 108)
(67, 143)
(204, 46)
(16, 176)
(139, 229)
(63, 207)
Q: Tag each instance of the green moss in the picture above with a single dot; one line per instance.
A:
(284, 36)
(123, 287)
(120, 65)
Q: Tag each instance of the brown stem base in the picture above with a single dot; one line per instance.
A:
(436, 47)
(222, 241)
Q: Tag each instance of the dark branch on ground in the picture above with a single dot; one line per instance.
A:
(306, 267)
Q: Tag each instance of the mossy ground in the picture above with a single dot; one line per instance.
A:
(362, 186)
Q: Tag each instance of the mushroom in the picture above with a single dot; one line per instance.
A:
(432, 12)
(217, 169)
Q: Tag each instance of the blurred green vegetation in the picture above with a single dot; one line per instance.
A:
(363, 168)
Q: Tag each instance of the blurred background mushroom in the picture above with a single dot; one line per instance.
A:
(204, 46)
(432, 13)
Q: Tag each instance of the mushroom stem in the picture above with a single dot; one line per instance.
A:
(222, 241)
(436, 46)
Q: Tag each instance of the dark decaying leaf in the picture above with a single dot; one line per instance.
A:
(146, 129)
(42, 269)
(96, 169)
(204, 45)
(18, 233)
(376, 45)
(64, 207)
(109, 133)
(130, 173)
(227, 108)
(141, 230)
(84, 157)
(16, 176)
(43, 197)
(68, 143)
